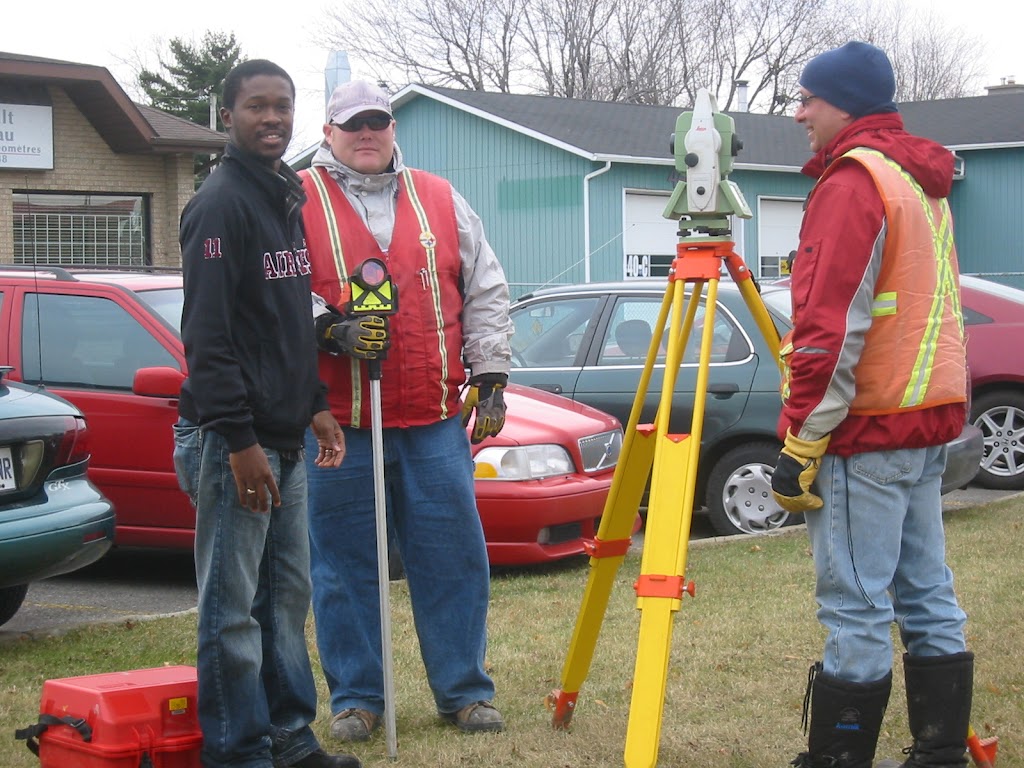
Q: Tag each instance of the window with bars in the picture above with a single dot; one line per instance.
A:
(80, 229)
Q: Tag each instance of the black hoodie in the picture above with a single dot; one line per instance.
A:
(247, 322)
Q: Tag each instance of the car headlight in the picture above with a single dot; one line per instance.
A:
(527, 462)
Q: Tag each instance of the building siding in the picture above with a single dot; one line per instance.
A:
(986, 206)
(528, 194)
(530, 197)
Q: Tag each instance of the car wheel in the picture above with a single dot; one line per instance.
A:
(1000, 417)
(11, 599)
(739, 494)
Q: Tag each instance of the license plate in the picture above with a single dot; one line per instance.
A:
(7, 480)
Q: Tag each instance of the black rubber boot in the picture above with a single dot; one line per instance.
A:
(845, 719)
(939, 690)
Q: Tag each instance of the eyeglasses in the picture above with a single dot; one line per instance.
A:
(373, 122)
(803, 101)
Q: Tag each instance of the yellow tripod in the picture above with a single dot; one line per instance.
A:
(673, 457)
(702, 205)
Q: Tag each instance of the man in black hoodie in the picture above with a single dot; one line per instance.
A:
(252, 391)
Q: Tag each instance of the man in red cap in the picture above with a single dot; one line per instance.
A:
(874, 386)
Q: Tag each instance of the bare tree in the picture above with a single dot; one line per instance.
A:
(564, 38)
(636, 51)
(931, 59)
(640, 52)
(466, 43)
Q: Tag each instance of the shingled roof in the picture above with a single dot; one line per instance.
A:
(640, 134)
(127, 127)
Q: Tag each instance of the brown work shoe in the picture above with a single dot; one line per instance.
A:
(354, 725)
(480, 716)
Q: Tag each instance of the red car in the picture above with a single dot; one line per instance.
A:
(109, 342)
(994, 322)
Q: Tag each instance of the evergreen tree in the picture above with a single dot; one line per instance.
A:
(191, 79)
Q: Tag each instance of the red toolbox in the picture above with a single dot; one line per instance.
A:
(145, 718)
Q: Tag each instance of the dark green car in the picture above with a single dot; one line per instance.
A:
(52, 518)
(589, 342)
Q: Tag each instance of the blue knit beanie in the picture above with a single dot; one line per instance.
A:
(857, 78)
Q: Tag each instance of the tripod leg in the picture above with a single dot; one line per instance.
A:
(661, 584)
(613, 538)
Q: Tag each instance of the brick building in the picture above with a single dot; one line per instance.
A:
(86, 175)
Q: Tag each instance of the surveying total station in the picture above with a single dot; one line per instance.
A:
(704, 146)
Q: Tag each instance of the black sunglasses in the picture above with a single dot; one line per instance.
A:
(373, 122)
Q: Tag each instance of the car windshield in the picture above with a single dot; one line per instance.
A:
(168, 303)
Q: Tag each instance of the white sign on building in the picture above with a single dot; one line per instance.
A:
(26, 136)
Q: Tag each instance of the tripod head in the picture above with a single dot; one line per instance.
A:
(706, 199)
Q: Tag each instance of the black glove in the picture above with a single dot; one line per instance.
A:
(486, 398)
(365, 337)
(795, 472)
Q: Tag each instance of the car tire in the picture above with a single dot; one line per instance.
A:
(1000, 417)
(739, 492)
(11, 599)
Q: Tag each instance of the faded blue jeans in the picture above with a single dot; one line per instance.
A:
(256, 691)
(433, 519)
(880, 556)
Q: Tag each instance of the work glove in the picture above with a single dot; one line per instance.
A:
(795, 471)
(486, 398)
(365, 337)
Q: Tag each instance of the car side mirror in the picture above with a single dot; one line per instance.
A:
(162, 381)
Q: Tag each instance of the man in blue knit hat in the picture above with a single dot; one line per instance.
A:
(874, 386)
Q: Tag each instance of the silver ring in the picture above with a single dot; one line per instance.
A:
(250, 490)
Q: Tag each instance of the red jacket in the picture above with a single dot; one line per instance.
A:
(833, 287)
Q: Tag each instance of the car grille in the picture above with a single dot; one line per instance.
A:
(601, 451)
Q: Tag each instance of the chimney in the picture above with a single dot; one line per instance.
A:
(741, 96)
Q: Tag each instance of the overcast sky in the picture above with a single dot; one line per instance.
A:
(108, 33)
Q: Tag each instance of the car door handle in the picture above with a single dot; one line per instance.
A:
(723, 391)
(554, 388)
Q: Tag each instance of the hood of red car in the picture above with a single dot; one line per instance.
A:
(535, 416)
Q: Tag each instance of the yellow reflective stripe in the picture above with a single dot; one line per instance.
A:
(884, 304)
(334, 231)
(429, 243)
(945, 285)
(784, 352)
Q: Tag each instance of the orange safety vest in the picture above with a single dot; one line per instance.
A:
(914, 351)
(423, 370)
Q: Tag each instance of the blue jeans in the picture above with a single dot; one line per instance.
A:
(256, 691)
(433, 520)
(880, 556)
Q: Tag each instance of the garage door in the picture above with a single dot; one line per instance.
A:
(649, 239)
(778, 234)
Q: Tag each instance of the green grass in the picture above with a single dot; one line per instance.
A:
(737, 672)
